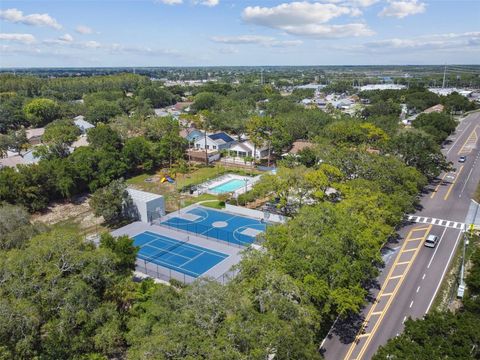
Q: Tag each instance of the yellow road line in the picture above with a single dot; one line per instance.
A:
(377, 313)
(404, 262)
(420, 229)
(387, 306)
(415, 239)
(364, 335)
(438, 186)
(382, 289)
(453, 183)
(385, 294)
(472, 139)
(409, 250)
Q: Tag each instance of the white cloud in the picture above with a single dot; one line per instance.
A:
(22, 38)
(450, 41)
(267, 41)
(85, 30)
(331, 31)
(401, 9)
(66, 38)
(169, 2)
(307, 19)
(364, 3)
(295, 13)
(16, 16)
(91, 44)
(209, 3)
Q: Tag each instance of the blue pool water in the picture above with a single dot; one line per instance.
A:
(228, 186)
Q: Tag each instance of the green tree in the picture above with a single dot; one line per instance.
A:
(102, 111)
(59, 135)
(138, 152)
(104, 137)
(420, 151)
(204, 101)
(439, 125)
(123, 248)
(111, 202)
(41, 111)
(59, 300)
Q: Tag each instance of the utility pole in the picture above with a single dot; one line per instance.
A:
(444, 74)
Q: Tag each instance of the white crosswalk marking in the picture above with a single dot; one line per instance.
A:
(435, 221)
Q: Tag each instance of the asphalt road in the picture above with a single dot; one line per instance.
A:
(413, 273)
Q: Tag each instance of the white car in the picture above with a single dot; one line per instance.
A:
(431, 241)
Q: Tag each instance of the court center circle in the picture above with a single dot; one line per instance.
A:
(220, 224)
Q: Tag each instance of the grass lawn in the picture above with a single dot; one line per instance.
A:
(196, 176)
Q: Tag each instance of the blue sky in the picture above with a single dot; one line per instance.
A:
(226, 32)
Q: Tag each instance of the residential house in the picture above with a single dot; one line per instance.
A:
(191, 134)
(34, 136)
(298, 146)
(13, 159)
(247, 148)
(82, 124)
(217, 141)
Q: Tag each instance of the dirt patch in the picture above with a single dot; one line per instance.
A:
(77, 211)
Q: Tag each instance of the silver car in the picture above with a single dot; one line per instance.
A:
(431, 241)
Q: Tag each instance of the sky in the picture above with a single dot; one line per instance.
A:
(105, 33)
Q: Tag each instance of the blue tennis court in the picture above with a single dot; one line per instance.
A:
(220, 225)
(176, 255)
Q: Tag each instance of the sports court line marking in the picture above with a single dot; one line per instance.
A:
(453, 183)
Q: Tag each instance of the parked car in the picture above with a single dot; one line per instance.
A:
(431, 241)
(462, 159)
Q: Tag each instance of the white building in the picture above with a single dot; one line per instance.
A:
(147, 206)
(218, 141)
(82, 124)
(247, 148)
(382, 87)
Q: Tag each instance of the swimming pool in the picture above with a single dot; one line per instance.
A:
(228, 186)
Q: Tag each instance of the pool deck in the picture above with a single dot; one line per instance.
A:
(206, 187)
(219, 271)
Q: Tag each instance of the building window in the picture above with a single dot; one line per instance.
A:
(207, 147)
(214, 147)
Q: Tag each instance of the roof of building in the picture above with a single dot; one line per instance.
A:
(221, 136)
(31, 133)
(81, 123)
(143, 195)
(435, 108)
(300, 145)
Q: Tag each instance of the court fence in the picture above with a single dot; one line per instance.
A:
(160, 272)
(163, 273)
(209, 232)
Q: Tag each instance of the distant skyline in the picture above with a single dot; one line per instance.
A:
(108, 33)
